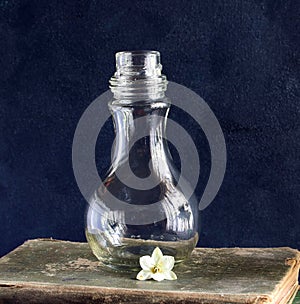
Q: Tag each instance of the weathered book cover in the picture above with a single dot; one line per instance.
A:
(50, 271)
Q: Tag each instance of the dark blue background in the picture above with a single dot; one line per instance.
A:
(240, 56)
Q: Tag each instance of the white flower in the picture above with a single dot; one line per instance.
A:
(157, 267)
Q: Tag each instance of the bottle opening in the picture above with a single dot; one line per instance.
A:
(139, 63)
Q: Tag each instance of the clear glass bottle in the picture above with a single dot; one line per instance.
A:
(141, 174)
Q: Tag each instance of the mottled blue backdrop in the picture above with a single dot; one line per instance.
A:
(242, 57)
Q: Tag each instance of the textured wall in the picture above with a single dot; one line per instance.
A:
(240, 56)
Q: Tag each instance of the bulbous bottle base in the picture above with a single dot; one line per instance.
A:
(125, 257)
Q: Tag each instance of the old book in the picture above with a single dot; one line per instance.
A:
(51, 271)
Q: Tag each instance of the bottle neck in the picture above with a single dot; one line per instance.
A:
(140, 137)
(140, 111)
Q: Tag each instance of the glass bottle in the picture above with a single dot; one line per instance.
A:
(153, 211)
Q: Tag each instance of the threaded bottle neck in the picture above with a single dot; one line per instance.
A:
(138, 76)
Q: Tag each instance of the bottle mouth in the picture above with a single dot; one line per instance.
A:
(138, 72)
(138, 63)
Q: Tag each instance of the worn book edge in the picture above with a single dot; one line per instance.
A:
(286, 288)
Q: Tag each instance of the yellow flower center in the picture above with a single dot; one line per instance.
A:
(155, 269)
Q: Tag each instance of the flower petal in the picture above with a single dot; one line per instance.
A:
(144, 275)
(158, 276)
(156, 255)
(167, 262)
(146, 262)
(170, 275)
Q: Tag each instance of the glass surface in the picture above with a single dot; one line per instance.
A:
(140, 107)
